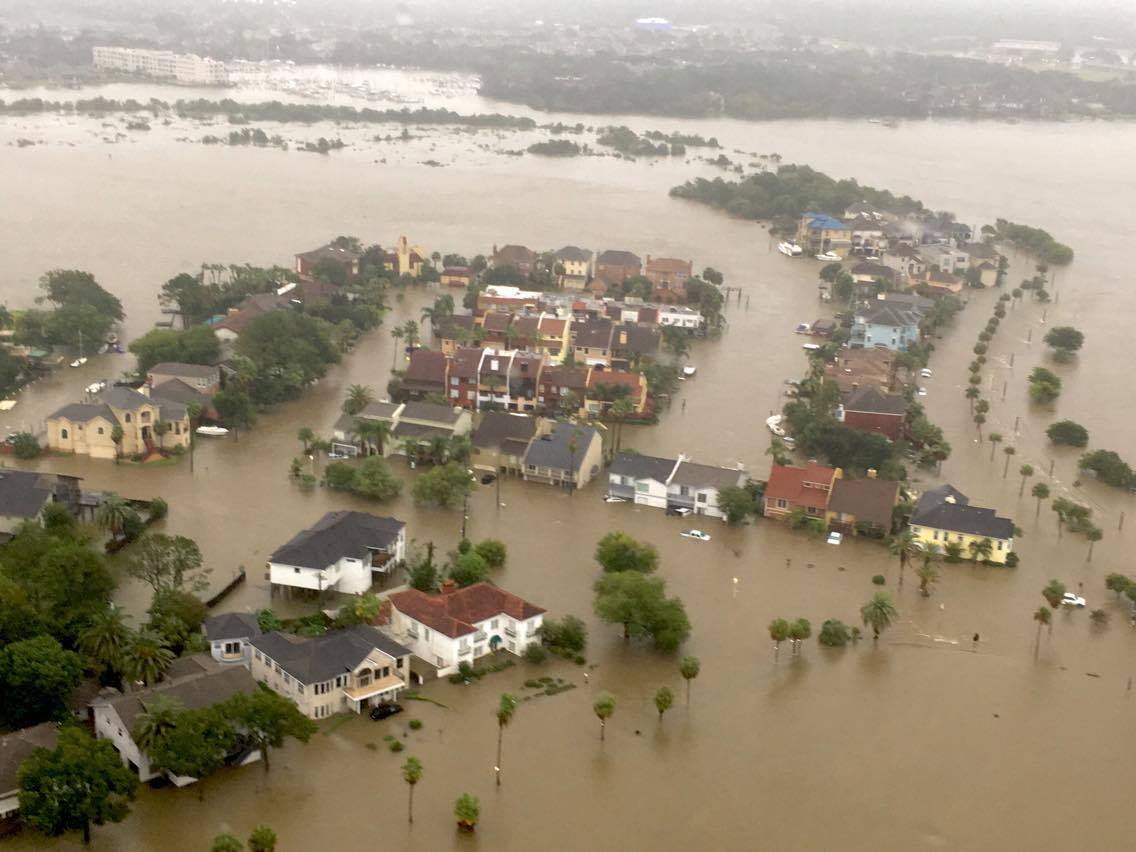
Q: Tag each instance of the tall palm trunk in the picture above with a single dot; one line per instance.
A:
(500, 736)
(410, 806)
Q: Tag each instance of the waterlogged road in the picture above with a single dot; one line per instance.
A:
(926, 741)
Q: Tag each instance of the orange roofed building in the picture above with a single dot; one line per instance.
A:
(807, 488)
(462, 625)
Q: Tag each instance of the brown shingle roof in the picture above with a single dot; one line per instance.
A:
(426, 367)
(789, 483)
(870, 500)
(455, 613)
(465, 362)
(568, 377)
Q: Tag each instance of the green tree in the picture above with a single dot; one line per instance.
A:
(506, 709)
(927, 572)
(980, 549)
(227, 843)
(907, 547)
(112, 513)
(235, 408)
(492, 550)
(1026, 471)
(879, 614)
(196, 745)
(619, 411)
(80, 783)
(1044, 618)
(1041, 492)
(604, 708)
(1044, 385)
(262, 839)
(446, 486)
(411, 774)
(358, 397)
(25, 446)
(289, 351)
(1064, 340)
(197, 345)
(737, 503)
(778, 631)
(168, 563)
(267, 719)
(72, 287)
(469, 568)
(1068, 433)
(37, 677)
(994, 438)
(306, 436)
(689, 667)
(1009, 452)
(1093, 534)
(106, 638)
(157, 719)
(676, 341)
(373, 434)
(799, 631)
(147, 657)
(617, 551)
(1118, 583)
(639, 603)
(664, 700)
(467, 811)
(834, 634)
(373, 478)
(176, 615)
(1053, 592)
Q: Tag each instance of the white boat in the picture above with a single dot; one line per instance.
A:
(689, 370)
(774, 425)
(810, 347)
(95, 387)
(212, 431)
(789, 249)
(829, 257)
(79, 362)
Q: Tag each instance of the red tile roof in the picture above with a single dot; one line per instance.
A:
(801, 486)
(465, 362)
(455, 613)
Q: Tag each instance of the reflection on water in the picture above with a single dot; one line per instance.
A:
(927, 740)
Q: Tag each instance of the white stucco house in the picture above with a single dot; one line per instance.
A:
(461, 625)
(341, 553)
(664, 483)
(351, 669)
(193, 682)
(229, 634)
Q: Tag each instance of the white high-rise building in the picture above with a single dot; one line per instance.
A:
(184, 67)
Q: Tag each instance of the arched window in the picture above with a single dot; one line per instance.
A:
(63, 434)
(127, 418)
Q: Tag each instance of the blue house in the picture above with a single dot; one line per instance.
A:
(893, 327)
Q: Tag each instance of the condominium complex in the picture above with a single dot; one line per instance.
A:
(184, 67)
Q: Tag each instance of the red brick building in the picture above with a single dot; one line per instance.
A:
(869, 409)
(669, 274)
(615, 267)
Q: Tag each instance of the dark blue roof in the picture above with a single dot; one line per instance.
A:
(824, 222)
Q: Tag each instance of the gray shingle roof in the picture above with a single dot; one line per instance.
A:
(947, 508)
(18, 746)
(24, 492)
(323, 657)
(870, 500)
(497, 427)
(175, 368)
(177, 391)
(594, 334)
(890, 315)
(124, 398)
(616, 257)
(552, 450)
(82, 412)
(335, 535)
(574, 253)
(871, 400)
(231, 625)
(707, 476)
(640, 466)
(429, 412)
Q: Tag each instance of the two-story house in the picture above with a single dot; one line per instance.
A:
(456, 276)
(881, 323)
(668, 275)
(869, 409)
(229, 634)
(351, 669)
(576, 267)
(805, 488)
(89, 428)
(945, 516)
(462, 625)
(405, 259)
(342, 552)
(665, 483)
(200, 377)
(501, 440)
(865, 505)
(557, 382)
(818, 232)
(615, 266)
(607, 386)
(521, 258)
(24, 494)
(411, 422)
(591, 343)
(568, 456)
(945, 258)
(426, 374)
(348, 259)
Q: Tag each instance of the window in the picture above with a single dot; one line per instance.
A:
(454, 394)
(145, 417)
(935, 535)
(63, 434)
(257, 655)
(438, 661)
(642, 487)
(99, 430)
(425, 632)
(127, 418)
(701, 498)
(300, 686)
(296, 570)
(782, 504)
(493, 624)
(453, 380)
(915, 530)
(232, 647)
(277, 668)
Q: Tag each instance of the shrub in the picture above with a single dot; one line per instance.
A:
(159, 508)
(25, 445)
(535, 653)
(307, 480)
(1068, 433)
(415, 724)
(1012, 559)
(396, 746)
(569, 634)
(533, 684)
(834, 634)
(879, 580)
(492, 550)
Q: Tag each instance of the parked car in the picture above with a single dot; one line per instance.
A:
(611, 498)
(922, 391)
(1070, 599)
(337, 456)
(835, 538)
(489, 479)
(385, 710)
(698, 534)
(680, 511)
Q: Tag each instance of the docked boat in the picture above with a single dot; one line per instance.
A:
(212, 431)
(829, 257)
(789, 249)
(79, 362)
(96, 387)
(689, 370)
(774, 425)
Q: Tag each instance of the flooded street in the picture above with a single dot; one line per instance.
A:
(925, 741)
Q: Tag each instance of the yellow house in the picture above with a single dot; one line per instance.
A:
(943, 516)
(576, 266)
(88, 428)
(406, 259)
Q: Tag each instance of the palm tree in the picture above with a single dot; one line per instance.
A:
(799, 631)
(112, 514)
(906, 546)
(411, 774)
(1026, 470)
(106, 639)
(573, 447)
(981, 548)
(373, 432)
(358, 396)
(160, 716)
(1041, 492)
(689, 667)
(619, 411)
(972, 393)
(927, 572)
(410, 329)
(1093, 534)
(1044, 618)
(306, 436)
(505, 711)
(147, 656)
(778, 631)
(604, 708)
(438, 449)
(398, 333)
(979, 419)
(878, 614)
(1010, 451)
(1054, 593)
(664, 700)
(994, 438)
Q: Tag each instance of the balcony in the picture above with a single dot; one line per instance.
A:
(479, 636)
(511, 632)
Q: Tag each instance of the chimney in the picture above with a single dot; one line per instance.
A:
(448, 586)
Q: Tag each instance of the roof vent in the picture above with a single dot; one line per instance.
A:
(950, 499)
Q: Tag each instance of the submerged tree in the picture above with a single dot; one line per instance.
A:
(689, 667)
(879, 613)
(604, 708)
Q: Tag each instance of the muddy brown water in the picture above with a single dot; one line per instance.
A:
(925, 741)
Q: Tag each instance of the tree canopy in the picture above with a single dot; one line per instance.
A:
(37, 677)
(289, 351)
(195, 345)
(639, 603)
(617, 551)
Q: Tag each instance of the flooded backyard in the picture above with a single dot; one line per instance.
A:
(927, 741)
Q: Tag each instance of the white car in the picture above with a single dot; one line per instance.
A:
(926, 372)
(698, 534)
(922, 391)
(613, 499)
(835, 538)
(1070, 599)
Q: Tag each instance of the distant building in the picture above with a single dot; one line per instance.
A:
(501, 440)
(405, 259)
(342, 552)
(668, 274)
(613, 266)
(817, 233)
(457, 276)
(344, 257)
(805, 488)
(577, 265)
(883, 323)
(24, 494)
(185, 68)
(862, 505)
(672, 483)
(200, 377)
(88, 428)
(607, 386)
(869, 409)
(521, 258)
(230, 326)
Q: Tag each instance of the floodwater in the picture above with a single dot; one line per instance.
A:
(926, 741)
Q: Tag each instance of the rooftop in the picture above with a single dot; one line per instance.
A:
(707, 475)
(18, 746)
(231, 625)
(574, 254)
(617, 257)
(335, 535)
(426, 367)
(320, 658)
(430, 413)
(457, 612)
(638, 466)
(947, 508)
(554, 450)
(594, 334)
(83, 412)
(497, 427)
(872, 400)
(824, 222)
(870, 499)
(802, 486)
(175, 368)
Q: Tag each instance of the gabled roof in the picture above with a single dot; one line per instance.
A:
(871, 400)
(335, 535)
(568, 377)
(864, 223)
(124, 398)
(466, 361)
(496, 321)
(429, 413)
(707, 476)
(497, 427)
(616, 378)
(378, 410)
(18, 746)
(937, 276)
(448, 327)
(82, 412)
(871, 500)
(669, 264)
(343, 255)
(947, 508)
(635, 339)
(638, 466)
(895, 316)
(193, 371)
(426, 367)
(553, 450)
(321, 658)
(875, 270)
(617, 257)
(511, 255)
(801, 486)
(23, 493)
(231, 625)
(594, 334)
(574, 254)
(176, 390)
(456, 613)
(458, 271)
